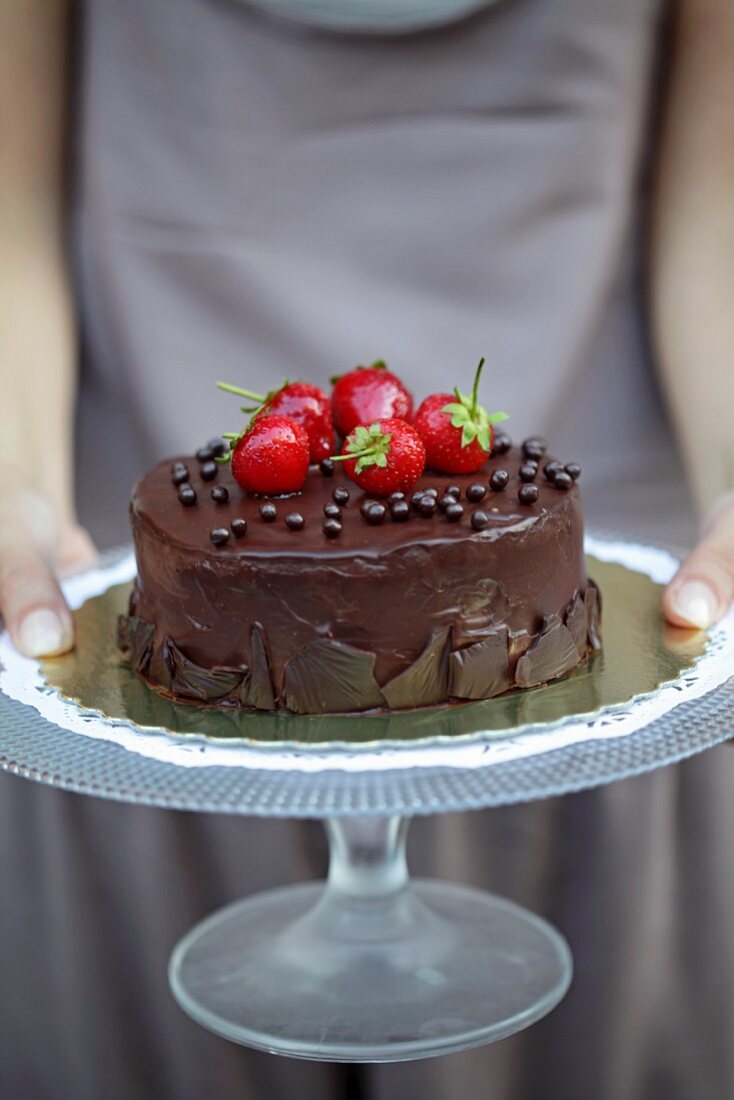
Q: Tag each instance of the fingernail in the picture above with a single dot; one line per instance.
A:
(43, 633)
(696, 603)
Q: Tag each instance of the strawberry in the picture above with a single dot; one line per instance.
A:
(367, 394)
(302, 402)
(456, 430)
(384, 458)
(271, 456)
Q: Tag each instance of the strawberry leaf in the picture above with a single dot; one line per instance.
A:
(472, 418)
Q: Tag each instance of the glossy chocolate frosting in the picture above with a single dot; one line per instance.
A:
(395, 615)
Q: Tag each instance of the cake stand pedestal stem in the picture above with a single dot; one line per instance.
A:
(371, 965)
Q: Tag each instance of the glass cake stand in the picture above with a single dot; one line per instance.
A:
(371, 966)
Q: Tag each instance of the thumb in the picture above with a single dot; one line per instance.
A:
(39, 622)
(703, 588)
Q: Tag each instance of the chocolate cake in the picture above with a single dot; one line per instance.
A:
(327, 600)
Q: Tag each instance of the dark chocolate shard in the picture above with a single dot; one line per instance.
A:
(483, 669)
(329, 676)
(551, 655)
(426, 681)
(257, 688)
(578, 623)
(592, 600)
(191, 681)
(135, 637)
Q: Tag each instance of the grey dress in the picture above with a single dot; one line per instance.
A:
(254, 200)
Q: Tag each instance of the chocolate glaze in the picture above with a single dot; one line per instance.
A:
(389, 592)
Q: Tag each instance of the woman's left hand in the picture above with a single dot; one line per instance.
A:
(703, 588)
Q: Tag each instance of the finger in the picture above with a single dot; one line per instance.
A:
(76, 551)
(39, 622)
(703, 588)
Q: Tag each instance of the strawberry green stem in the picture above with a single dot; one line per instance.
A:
(353, 454)
(259, 397)
(475, 391)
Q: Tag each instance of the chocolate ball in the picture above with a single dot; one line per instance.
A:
(479, 520)
(535, 447)
(327, 467)
(332, 528)
(208, 471)
(220, 494)
(573, 470)
(219, 535)
(528, 471)
(476, 492)
(187, 495)
(341, 495)
(239, 528)
(268, 512)
(498, 481)
(375, 514)
(454, 512)
(563, 481)
(294, 521)
(527, 494)
(400, 511)
(332, 511)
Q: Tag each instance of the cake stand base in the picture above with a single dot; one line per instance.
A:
(369, 967)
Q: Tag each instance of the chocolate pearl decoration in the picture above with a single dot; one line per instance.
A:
(180, 474)
(219, 535)
(498, 481)
(573, 470)
(431, 493)
(341, 495)
(208, 471)
(453, 491)
(364, 506)
(527, 494)
(552, 468)
(268, 512)
(327, 467)
(294, 521)
(476, 492)
(239, 528)
(205, 454)
(528, 471)
(375, 514)
(563, 481)
(220, 494)
(394, 497)
(501, 443)
(416, 499)
(445, 501)
(479, 520)
(535, 447)
(332, 528)
(332, 511)
(187, 495)
(454, 512)
(427, 505)
(400, 511)
(218, 447)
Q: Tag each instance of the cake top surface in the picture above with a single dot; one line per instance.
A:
(220, 503)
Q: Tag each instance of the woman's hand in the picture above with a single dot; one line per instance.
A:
(703, 588)
(35, 547)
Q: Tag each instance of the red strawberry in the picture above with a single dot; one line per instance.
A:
(384, 458)
(302, 402)
(457, 431)
(367, 394)
(271, 456)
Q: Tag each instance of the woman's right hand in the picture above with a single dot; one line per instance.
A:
(35, 548)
